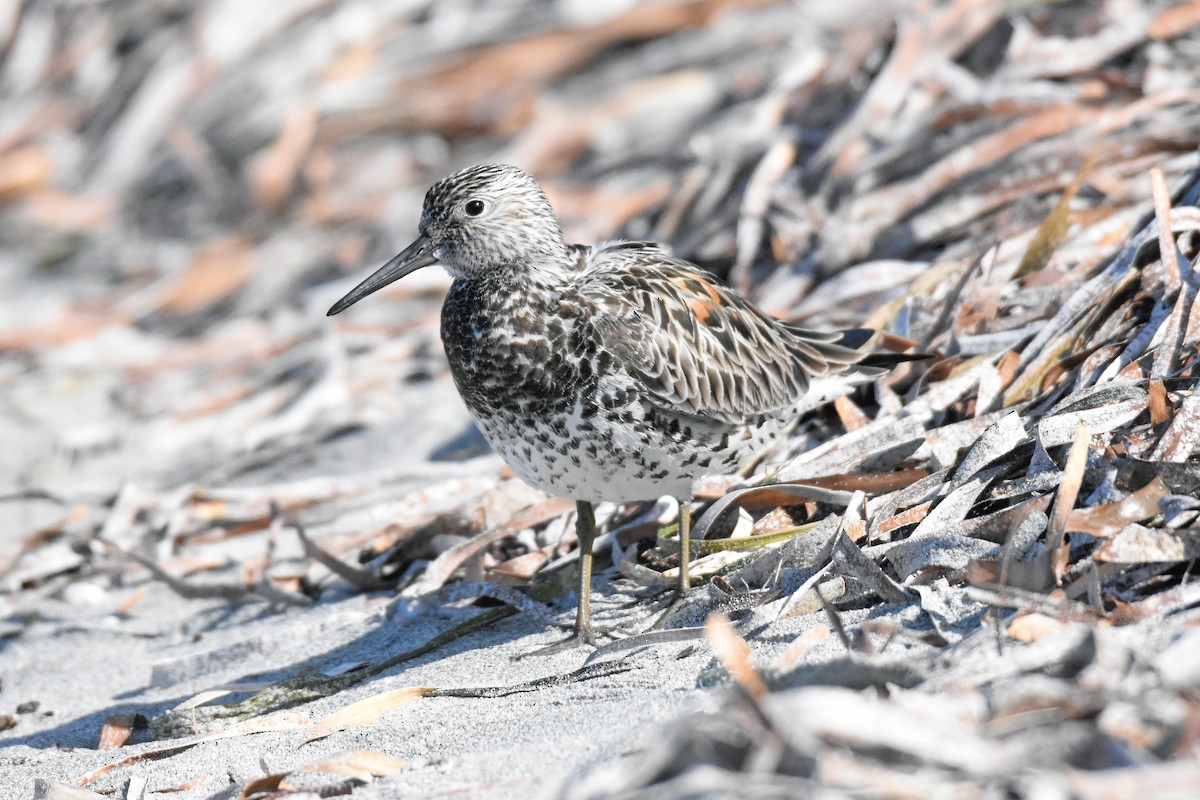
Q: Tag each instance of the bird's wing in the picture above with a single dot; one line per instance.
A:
(697, 348)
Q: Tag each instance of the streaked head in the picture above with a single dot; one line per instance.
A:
(483, 219)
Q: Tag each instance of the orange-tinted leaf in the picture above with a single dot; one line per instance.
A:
(117, 730)
(1108, 519)
(1033, 626)
(24, 170)
(217, 270)
(366, 711)
(1175, 20)
(850, 414)
(69, 213)
(1068, 491)
(274, 173)
(1160, 408)
(358, 764)
(734, 653)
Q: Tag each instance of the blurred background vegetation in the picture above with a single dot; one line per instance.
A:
(185, 187)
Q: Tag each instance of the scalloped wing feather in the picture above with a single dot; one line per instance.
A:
(697, 348)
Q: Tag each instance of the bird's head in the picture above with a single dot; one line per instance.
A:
(491, 219)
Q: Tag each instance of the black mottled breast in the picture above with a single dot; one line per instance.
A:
(514, 348)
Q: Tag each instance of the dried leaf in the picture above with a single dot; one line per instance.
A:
(802, 644)
(448, 562)
(734, 654)
(69, 213)
(1109, 519)
(911, 516)
(117, 730)
(1166, 239)
(1175, 20)
(216, 271)
(851, 415)
(367, 710)
(1182, 437)
(1053, 229)
(185, 786)
(1160, 408)
(132, 600)
(1137, 544)
(1033, 626)
(361, 765)
(274, 173)
(71, 324)
(494, 87)
(1064, 502)
(267, 783)
(523, 567)
(24, 171)
(276, 722)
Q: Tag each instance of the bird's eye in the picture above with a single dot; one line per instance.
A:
(473, 208)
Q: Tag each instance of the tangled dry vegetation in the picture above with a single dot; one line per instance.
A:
(1002, 537)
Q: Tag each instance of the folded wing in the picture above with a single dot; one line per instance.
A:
(697, 348)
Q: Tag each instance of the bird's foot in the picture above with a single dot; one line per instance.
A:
(676, 604)
(580, 637)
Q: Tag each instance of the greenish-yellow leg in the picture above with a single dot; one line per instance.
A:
(585, 530)
(685, 533)
(685, 579)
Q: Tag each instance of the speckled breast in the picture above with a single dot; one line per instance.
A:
(560, 413)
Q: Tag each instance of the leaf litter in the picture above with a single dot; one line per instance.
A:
(1012, 187)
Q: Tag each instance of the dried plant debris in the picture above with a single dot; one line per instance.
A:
(988, 556)
(361, 766)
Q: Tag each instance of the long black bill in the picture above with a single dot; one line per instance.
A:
(412, 258)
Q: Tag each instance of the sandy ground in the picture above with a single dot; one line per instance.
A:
(81, 666)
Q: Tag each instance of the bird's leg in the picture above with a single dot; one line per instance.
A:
(585, 530)
(685, 579)
(685, 533)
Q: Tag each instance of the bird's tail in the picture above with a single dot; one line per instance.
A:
(888, 360)
(844, 351)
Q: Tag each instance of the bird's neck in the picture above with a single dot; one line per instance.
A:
(502, 293)
(546, 271)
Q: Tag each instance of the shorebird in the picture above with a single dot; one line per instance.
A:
(612, 371)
